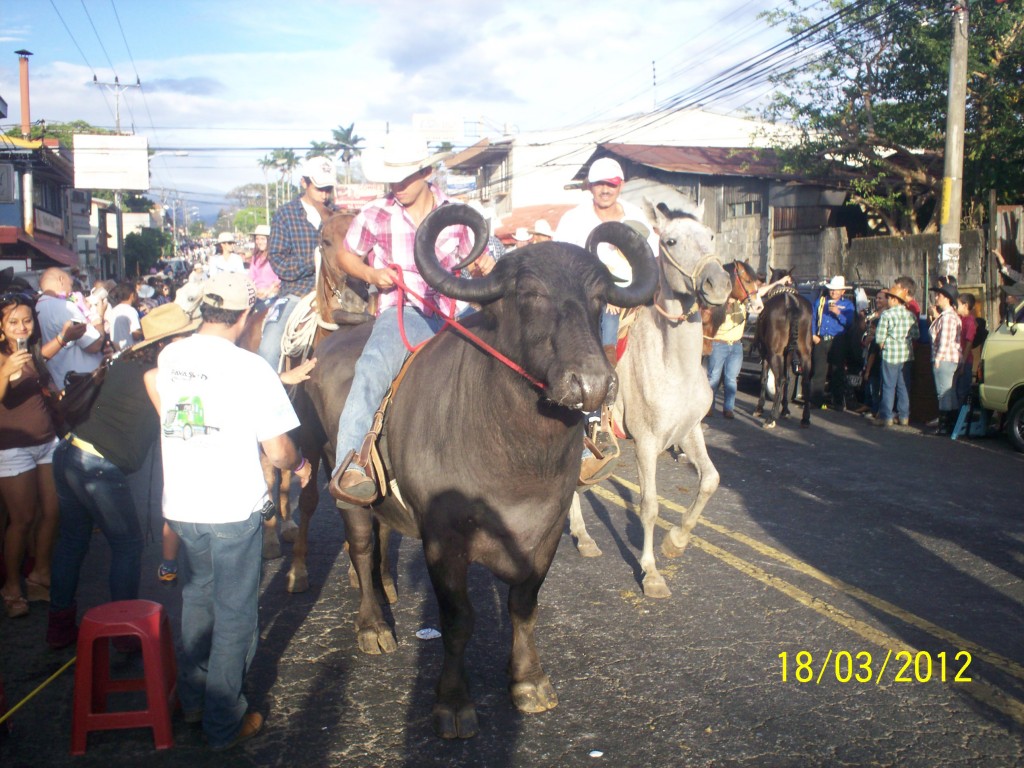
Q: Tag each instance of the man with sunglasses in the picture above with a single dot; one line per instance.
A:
(294, 238)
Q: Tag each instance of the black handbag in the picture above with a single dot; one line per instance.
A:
(79, 394)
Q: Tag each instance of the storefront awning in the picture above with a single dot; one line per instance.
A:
(54, 251)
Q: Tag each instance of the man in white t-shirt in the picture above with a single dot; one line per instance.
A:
(604, 180)
(122, 317)
(219, 405)
(82, 347)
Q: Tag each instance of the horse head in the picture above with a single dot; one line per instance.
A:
(689, 266)
(744, 284)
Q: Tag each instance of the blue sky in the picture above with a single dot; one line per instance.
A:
(222, 74)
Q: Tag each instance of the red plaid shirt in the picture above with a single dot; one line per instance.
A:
(945, 331)
(384, 234)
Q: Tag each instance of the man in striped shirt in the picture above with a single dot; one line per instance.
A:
(945, 332)
(383, 235)
(896, 331)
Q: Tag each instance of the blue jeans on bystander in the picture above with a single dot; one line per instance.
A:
(219, 620)
(93, 492)
(895, 384)
(945, 389)
(724, 364)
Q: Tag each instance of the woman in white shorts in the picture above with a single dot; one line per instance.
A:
(27, 441)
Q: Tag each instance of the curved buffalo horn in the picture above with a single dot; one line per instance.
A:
(480, 290)
(634, 247)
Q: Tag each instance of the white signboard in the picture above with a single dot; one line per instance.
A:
(111, 162)
(47, 222)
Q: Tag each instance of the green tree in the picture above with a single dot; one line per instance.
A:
(871, 109)
(143, 249)
(64, 132)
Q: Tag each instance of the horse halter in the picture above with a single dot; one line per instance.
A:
(695, 306)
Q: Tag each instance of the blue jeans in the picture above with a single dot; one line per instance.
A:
(724, 365)
(609, 328)
(376, 368)
(895, 383)
(874, 387)
(270, 343)
(944, 389)
(93, 492)
(219, 620)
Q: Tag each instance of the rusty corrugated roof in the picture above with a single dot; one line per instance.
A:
(707, 161)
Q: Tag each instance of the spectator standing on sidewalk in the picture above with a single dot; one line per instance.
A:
(968, 331)
(945, 332)
(229, 404)
(897, 330)
(833, 316)
(727, 355)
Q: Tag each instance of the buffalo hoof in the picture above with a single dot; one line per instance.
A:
(531, 699)
(271, 547)
(655, 586)
(298, 581)
(353, 577)
(289, 531)
(588, 547)
(376, 640)
(449, 724)
(673, 547)
(769, 424)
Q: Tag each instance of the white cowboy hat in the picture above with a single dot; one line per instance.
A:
(401, 156)
(262, 229)
(226, 237)
(541, 227)
(522, 235)
(837, 283)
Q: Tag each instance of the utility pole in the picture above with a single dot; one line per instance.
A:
(952, 180)
(117, 87)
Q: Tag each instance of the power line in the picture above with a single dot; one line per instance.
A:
(81, 53)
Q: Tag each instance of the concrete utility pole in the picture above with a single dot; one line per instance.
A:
(952, 180)
(117, 87)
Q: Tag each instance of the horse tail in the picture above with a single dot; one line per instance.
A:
(793, 312)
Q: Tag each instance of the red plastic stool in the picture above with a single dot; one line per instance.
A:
(147, 621)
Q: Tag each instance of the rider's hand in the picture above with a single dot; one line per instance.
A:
(299, 373)
(382, 278)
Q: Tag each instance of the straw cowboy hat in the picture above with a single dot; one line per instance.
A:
(262, 229)
(226, 237)
(837, 283)
(163, 321)
(401, 156)
(898, 292)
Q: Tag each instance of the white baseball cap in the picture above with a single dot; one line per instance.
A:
(320, 170)
(607, 170)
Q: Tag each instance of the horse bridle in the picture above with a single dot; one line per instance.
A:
(695, 306)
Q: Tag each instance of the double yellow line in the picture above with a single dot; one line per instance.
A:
(987, 694)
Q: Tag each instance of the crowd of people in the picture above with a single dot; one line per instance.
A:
(180, 392)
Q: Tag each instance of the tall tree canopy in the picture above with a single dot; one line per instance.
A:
(870, 106)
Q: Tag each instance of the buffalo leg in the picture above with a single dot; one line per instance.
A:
(454, 713)
(373, 634)
(585, 545)
(646, 463)
(531, 688)
(677, 538)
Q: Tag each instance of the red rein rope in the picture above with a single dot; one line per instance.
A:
(450, 321)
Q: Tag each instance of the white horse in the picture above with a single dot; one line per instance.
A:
(663, 388)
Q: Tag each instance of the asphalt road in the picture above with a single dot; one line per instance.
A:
(838, 575)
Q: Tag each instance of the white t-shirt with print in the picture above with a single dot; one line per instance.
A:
(217, 403)
(123, 321)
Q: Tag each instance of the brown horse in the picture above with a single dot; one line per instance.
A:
(744, 288)
(784, 339)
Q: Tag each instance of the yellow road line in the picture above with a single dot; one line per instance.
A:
(980, 691)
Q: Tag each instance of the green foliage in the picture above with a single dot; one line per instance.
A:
(246, 219)
(870, 107)
(143, 249)
(64, 132)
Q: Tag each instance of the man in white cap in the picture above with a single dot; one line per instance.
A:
(604, 180)
(294, 238)
(381, 236)
(834, 315)
(220, 406)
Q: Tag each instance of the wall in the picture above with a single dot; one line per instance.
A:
(886, 258)
(810, 255)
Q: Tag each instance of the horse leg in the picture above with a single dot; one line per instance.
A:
(284, 507)
(774, 364)
(585, 545)
(787, 359)
(759, 409)
(646, 463)
(309, 497)
(373, 634)
(677, 538)
(530, 686)
(454, 713)
(805, 386)
(271, 544)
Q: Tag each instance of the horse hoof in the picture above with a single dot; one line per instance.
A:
(532, 699)
(769, 425)
(390, 593)
(758, 413)
(449, 724)
(588, 548)
(297, 582)
(655, 586)
(289, 531)
(374, 641)
(805, 423)
(271, 547)
(672, 548)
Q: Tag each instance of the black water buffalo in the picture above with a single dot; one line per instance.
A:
(486, 461)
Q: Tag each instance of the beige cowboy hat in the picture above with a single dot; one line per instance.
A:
(262, 229)
(163, 321)
(402, 155)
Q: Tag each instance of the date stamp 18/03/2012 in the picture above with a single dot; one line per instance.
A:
(864, 667)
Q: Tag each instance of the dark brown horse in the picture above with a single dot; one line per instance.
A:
(744, 287)
(784, 340)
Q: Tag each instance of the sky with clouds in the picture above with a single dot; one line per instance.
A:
(219, 75)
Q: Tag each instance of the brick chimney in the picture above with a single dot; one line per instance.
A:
(26, 113)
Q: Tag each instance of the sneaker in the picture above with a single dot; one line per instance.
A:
(252, 724)
(903, 422)
(168, 574)
(881, 422)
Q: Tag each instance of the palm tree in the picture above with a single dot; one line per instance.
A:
(285, 161)
(318, 148)
(266, 163)
(346, 144)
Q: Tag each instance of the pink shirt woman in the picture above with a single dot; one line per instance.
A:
(260, 271)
